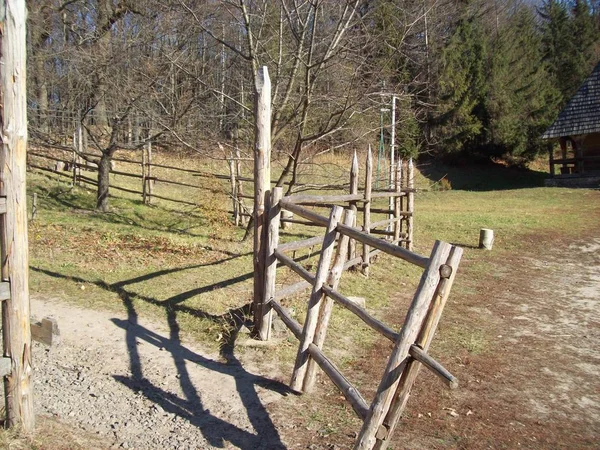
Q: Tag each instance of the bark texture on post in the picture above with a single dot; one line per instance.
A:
(353, 206)
(15, 259)
(262, 183)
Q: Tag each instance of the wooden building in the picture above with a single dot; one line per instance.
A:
(577, 129)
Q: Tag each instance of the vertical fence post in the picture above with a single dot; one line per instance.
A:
(13, 236)
(410, 178)
(34, 207)
(367, 210)
(353, 190)
(392, 162)
(314, 303)
(397, 203)
(273, 212)
(408, 334)
(333, 280)
(79, 147)
(149, 173)
(144, 174)
(423, 340)
(234, 197)
(74, 161)
(262, 183)
(238, 187)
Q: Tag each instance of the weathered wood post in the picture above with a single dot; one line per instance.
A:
(273, 212)
(353, 207)
(398, 203)
(238, 187)
(262, 184)
(144, 174)
(15, 259)
(234, 197)
(367, 210)
(316, 298)
(410, 201)
(149, 173)
(34, 207)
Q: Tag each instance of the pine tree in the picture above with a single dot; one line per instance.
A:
(522, 99)
(461, 87)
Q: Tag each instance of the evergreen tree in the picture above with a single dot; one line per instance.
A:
(522, 99)
(585, 39)
(461, 87)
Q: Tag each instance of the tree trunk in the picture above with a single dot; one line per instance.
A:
(103, 182)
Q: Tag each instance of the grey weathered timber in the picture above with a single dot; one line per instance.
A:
(5, 366)
(367, 210)
(289, 322)
(46, 332)
(273, 212)
(410, 203)
(423, 340)
(409, 332)
(149, 178)
(4, 290)
(397, 206)
(440, 371)
(297, 245)
(262, 181)
(303, 212)
(315, 300)
(350, 392)
(13, 237)
(361, 313)
(386, 247)
(234, 199)
(289, 262)
(353, 205)
(333, 280)
(291, 289)
(325, 199)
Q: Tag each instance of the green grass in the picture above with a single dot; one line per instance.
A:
(168, 260)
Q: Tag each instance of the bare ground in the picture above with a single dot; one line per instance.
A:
(527, 357)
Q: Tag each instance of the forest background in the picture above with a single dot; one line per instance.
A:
(473, 78)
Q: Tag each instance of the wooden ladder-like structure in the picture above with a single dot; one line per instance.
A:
(411, 342)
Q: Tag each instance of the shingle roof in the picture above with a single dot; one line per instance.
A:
(582, 113)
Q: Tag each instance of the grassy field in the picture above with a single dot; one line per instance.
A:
(190, 262)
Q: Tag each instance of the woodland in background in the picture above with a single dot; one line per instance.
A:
(474, 78)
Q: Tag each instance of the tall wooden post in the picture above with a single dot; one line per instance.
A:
(15, 259)
(353, 207)
(262, 184)
(367, 212)
(149, 173)
(410, 196)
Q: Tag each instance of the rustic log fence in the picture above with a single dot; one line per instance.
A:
(410, 343)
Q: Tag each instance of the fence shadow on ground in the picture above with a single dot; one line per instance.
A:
(191, 408)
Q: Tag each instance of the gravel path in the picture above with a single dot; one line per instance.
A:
(137, 386)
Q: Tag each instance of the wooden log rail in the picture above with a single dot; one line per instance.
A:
(411, 341)
(357, 234)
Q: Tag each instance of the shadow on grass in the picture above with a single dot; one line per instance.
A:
(216, 430)
(482, 176)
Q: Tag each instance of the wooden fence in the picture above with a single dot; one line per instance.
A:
(410, 343)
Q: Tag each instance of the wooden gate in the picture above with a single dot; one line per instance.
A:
(411, 342)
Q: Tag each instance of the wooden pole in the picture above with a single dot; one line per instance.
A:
(353, 206)
(423, 341)
(410, 203)
(79, 149)
(367, 210)
(551, 161)
(397, 204)
(314, 303)
(144, 175)
(273, 211)
(13, 237)
(239, 188)
(34, 207)
(333, 280)
(409, 332)
(149, 173)
(262, 183)
(392, 156)
(234, 198)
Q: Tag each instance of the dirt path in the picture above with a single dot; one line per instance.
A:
(137, 386)
(134, 383)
